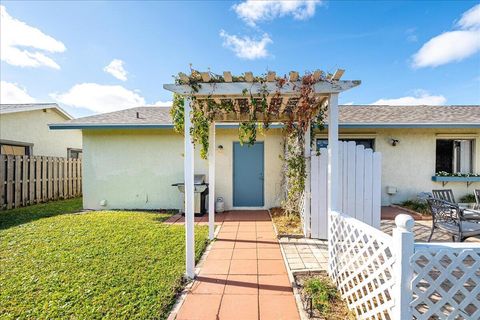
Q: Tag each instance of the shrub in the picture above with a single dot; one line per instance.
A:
(469, 197)
(415, 205)
(322, 293)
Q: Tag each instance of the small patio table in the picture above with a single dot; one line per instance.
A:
(470, 211)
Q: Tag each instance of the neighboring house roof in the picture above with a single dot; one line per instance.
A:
(350, 116)
(12, 108)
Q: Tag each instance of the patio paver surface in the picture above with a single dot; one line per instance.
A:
(243, 276)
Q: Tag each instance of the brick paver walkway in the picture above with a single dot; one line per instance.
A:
(243, 276)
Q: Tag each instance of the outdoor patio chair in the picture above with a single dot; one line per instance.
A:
(476, 192)
(444, 194)
(446, 217)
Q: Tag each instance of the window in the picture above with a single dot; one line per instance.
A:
(74, 153)
(454, 156)
(367, 143)
(15, 148)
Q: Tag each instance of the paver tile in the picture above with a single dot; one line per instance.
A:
(242, 284)
(209, 284)
(245, 244)
(220, 254)
(265, 253)
(274, 284)
(215, 267)
(241, 307)
(243, 267)
(271, 267)
(223, 244)
(242, 254)
(278, 307)
(200, 307)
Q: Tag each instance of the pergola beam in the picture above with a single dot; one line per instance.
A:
(236, 89)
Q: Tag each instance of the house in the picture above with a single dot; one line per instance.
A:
(132, 157)
(24, 131)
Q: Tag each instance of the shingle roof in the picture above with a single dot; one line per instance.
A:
(350, 115)
(12, 108)
(380, 114)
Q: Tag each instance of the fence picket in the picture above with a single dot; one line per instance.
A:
(315, 187)
(44, 179)
(38, 179)
(368, 187)
(359, 181)
(9, 181)
(31, 180)
(376, 189)
(2, 180)
(351, 179)
(26, 180)
(18, 179)
(323, 195)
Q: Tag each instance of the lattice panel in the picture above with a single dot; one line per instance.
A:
(360, 264)
(446, 283)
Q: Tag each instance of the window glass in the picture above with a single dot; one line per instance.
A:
(14, 150)
(454, 156)
(75, 153)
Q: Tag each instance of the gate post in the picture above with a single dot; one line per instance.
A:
(403, 249)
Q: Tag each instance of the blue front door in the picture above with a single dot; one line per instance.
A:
(248, 175)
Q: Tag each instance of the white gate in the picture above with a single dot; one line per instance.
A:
(359, 187)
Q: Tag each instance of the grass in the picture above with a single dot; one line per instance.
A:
(415, 205)
(109, 264)
(286, 224)
(14, 217)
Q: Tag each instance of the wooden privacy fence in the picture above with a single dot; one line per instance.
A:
(359, 187)
(26, 180)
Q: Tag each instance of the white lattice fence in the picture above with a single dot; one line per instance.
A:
(360, 264)
(446, 281)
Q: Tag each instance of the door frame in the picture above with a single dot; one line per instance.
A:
(233, 179)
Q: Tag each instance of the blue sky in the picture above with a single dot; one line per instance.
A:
(404, 52)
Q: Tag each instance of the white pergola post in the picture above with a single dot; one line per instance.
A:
(211, 181)
(189, 193)
(333, 152)
(306, 216)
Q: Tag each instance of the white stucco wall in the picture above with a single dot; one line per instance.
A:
(32, 127)
(409, 166)
(134, 169)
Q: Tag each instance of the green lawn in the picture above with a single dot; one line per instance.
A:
(111, 264)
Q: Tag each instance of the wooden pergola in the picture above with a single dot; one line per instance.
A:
(285, 98)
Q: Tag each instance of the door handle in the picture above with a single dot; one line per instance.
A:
(261, 176)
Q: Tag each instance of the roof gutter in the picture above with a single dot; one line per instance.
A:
(72, 126)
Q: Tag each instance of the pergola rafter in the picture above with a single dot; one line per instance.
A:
(283, 97)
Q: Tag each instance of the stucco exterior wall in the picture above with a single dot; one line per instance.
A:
(409, 165)
(134, 169)
(32, 127)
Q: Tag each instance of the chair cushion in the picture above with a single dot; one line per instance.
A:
(468, 228)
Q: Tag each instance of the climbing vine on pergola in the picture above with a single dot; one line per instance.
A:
(255, 102)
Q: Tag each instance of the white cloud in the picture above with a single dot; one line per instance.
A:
(116, 69)
(25, 46)
(420, 97)
(246, 47)
(12, 93)
(163, 103)
(453, 45)
(252, 11)
(470, 18)
(99, 98)
(348, 103)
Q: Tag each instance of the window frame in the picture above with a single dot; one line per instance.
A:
(28, 146)
(70, 150)
(455, 159)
